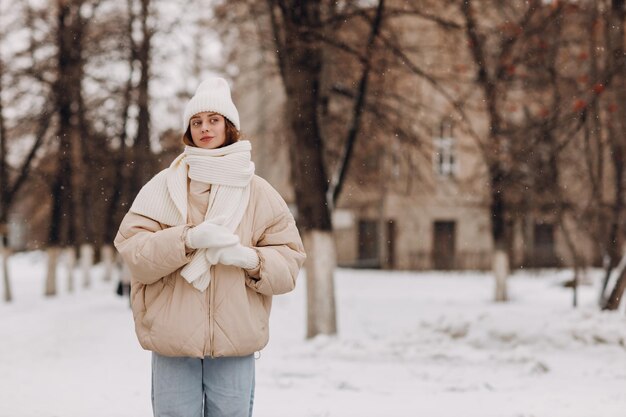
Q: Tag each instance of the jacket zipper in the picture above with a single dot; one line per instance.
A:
(211, 311)
(207, 319)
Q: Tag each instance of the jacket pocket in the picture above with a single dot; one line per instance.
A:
(155, 299)
(259, 313)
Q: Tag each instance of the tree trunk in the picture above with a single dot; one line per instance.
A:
(142, 159)
(501, 273)
(86, 262)
(501, 262)
(70, 265)
(4, 196)
(493, 155)
(617, 129)
(319, 266)
(119, 194)
(66, 226)
(67, 91)
(107, 256)
(595, 157)
(300, 61)
(51, 277)
(6, 253)
(78, 188)
(614, 238)
(615, 298)
(612, 303)
(569, 241)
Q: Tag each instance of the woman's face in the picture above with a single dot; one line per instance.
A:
(208, 130)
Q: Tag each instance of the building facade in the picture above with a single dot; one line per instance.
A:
(420, 205)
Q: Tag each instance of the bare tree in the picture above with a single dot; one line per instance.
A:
(300, 62)
(68, 223)
(12, 179)
(142, 157)
(298, 30)
(492, 70)
(119, 198)
(617, 127)
(4, 196)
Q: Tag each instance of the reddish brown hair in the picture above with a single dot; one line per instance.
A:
(232, 135)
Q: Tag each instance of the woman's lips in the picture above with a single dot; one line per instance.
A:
(206, 138)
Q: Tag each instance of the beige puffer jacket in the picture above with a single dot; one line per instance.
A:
(231, 317)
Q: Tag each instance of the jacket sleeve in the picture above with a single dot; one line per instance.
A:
(281, 256)
(150, 251)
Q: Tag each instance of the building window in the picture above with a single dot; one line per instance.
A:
(445, 159)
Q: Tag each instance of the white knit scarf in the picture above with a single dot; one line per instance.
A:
(164, 198)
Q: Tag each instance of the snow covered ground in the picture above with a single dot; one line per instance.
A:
(410, 344)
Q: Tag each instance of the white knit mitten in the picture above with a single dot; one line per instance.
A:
(209, 235)
(239, 255)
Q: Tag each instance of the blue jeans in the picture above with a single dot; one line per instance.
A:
(209, 387)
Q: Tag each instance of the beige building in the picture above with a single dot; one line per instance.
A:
(427, 204)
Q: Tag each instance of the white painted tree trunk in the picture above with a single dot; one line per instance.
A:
(70, 263)
(6, 253)
(615, 274)
(107, 254)
(51, 276)
(501, 273)
(86, 262)
(320, 267)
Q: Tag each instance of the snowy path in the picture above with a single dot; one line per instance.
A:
(410, 344)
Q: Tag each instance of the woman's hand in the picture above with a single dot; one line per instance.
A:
(239, 255)
(210, 235)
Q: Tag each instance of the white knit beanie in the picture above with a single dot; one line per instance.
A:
(213, 94)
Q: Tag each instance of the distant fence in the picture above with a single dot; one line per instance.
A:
(472, 260)
(478, 260)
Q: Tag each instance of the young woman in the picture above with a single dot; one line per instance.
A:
(208, 244)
